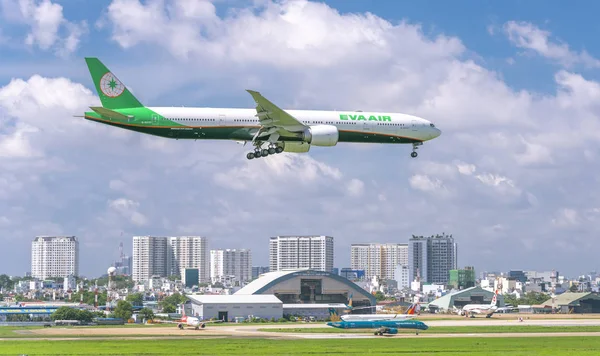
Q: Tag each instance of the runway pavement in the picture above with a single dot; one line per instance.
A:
(252, 331)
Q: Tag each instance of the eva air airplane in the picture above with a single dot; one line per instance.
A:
(271, 130)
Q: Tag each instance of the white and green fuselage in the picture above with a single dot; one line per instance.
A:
(310, 127)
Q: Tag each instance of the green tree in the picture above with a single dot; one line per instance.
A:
(535, 298)
(6, 282)
(169, 308)
(85, 315)
(136, 299)
(379, 296)
(171, 302)
(68, 313)
(510, 299)
(124, 310)
(146, 313)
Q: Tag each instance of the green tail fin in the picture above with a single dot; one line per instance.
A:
(112, 92)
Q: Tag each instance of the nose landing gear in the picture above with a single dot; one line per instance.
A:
(416, 145)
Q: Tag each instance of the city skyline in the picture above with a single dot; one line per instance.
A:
(515, 96)
(391, 252)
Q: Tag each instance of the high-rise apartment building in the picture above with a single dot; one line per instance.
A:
(237, 263)
(54, 256)
(297, 252)
(165, 256)
(378, 259)
(431, 258)
(189, 252)
(149, 257)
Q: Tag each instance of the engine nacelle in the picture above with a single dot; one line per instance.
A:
(296, 147)
(392, 331)
(321, 135)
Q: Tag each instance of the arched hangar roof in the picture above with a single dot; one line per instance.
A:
(268, 280)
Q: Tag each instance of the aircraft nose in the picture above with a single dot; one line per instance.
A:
(434, 132)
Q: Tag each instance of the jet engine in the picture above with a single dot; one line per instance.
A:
(321, 135)
(203, 325)
(392, 331)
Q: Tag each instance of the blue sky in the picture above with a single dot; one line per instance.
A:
(500, 178)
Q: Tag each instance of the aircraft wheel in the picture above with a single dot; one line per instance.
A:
(265, 153)
(250, 155)
(271, 150)
(414, 154)
(279, 149)
(257, 154)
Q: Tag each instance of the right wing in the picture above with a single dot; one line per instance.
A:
(271, 116)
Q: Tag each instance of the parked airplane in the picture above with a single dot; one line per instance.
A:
(383, 326)
(486, 309)
(270, 129)
(192, 321)
(410, 313)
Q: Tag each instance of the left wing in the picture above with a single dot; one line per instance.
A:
(271, 116)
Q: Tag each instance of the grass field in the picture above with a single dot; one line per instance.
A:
(451, 329)
(580, 346)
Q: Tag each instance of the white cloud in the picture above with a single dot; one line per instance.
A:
(494, 180)
(528, 36)
(356, 187)
(48, 27)
(16, 145)
(188, 28)
(425, 183)
(465, 168)
(129, 209)
(277, 174)
(566, 217)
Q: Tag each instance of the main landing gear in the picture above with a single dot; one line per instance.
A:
(258, 152)
(416, 145)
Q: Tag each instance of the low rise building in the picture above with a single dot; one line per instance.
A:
(230, 307)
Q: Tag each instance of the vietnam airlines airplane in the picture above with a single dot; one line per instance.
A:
(271, 130)
(383, 326)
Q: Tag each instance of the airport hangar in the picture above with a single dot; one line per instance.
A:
(300, 292)
(306, 292)
(458, 299)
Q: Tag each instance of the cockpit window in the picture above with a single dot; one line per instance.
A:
(431, 125)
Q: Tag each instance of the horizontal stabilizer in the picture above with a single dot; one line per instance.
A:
(109, 113)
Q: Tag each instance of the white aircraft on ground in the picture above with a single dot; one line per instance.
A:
(192, 321)
(410, 313)
(488, 310)
(270, 129)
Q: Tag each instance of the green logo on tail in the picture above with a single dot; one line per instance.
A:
(111, 86)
